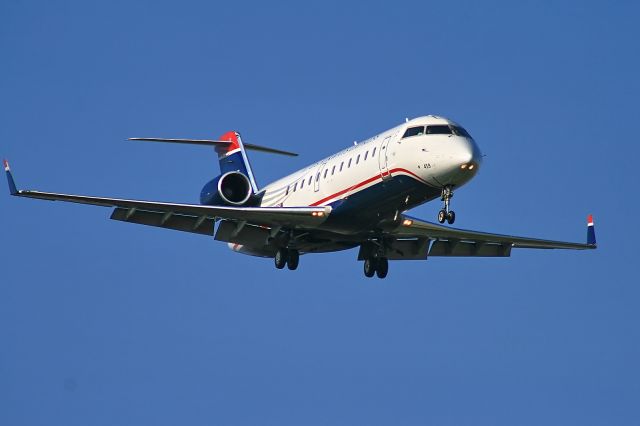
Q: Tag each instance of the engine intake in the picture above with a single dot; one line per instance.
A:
(231, 188)
(234, 188)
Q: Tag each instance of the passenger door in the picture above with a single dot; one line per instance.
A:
(317, 177)
(383, 161)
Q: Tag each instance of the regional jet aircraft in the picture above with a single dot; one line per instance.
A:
(355, 198)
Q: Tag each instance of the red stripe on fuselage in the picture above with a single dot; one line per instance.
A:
(365, 182)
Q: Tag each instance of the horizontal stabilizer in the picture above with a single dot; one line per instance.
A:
(211, 142)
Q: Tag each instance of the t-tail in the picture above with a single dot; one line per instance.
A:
(236, 184)
(233, 158)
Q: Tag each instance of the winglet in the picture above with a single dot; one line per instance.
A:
(591, 232)
(12, 184)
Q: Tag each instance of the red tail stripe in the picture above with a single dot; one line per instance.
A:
(232, 137)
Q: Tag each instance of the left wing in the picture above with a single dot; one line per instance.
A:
(461, 242)
(185, 215)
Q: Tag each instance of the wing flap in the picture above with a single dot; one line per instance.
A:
(464, 249)
(178, 222)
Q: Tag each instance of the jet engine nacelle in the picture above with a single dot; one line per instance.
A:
(231, 188)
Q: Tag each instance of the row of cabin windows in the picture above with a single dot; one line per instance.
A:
(333, 171)
(437, 129)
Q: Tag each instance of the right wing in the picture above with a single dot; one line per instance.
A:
(461, 242)
(200, 217)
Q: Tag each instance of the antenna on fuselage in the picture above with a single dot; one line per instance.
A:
(406, 119)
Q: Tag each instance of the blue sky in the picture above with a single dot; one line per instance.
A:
(107, 323)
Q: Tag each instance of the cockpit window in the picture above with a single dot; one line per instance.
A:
(414, 131)
(439, 129)
(459, 131)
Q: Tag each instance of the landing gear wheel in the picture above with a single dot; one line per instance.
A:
(370, 266)
(293, 260)
(451, 217)
(442, 215)
(280, 259)
(382, 268)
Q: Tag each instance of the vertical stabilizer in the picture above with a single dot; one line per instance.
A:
(233, 157)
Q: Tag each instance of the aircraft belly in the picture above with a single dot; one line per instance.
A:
(363, 211)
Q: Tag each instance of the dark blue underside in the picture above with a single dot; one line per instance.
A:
(364, 210)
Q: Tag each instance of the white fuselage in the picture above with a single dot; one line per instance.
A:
(435, 160)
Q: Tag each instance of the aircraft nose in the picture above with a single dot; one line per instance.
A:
(460, 163)
(469, 157)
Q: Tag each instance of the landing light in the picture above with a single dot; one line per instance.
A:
(464, 166)
(407, 222)
(319, 214)
(471, 166)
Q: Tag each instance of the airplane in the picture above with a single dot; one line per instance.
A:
(356, 198)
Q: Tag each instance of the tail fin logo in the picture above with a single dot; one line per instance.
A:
(233, 147)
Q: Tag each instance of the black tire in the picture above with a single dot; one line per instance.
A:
(280, 259)
(451, 217)
(382, 268)
(294, 260)
(370, 266)
(442, 216)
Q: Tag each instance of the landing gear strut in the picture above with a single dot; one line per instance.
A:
(288, 257)
(446, 213)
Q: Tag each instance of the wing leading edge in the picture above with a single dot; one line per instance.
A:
(296, 217)
(461, 242)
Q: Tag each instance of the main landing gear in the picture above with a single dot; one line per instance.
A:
(376, 266)
(445, 213)
(288, 257)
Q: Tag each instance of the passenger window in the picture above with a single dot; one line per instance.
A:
(358, 159)
(333, 170)
(414, 131)
(310, 177)
(349, 164)
(374, 152)
(302, 184)
(440, 129)
(325, 173)
(341, 165)
(295, 186)
(287, 191)
(366, 154)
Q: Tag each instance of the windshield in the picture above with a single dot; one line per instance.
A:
(439, 129)
(460, 131)
(414, 131)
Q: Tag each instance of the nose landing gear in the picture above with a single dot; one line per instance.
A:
(446, 213)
